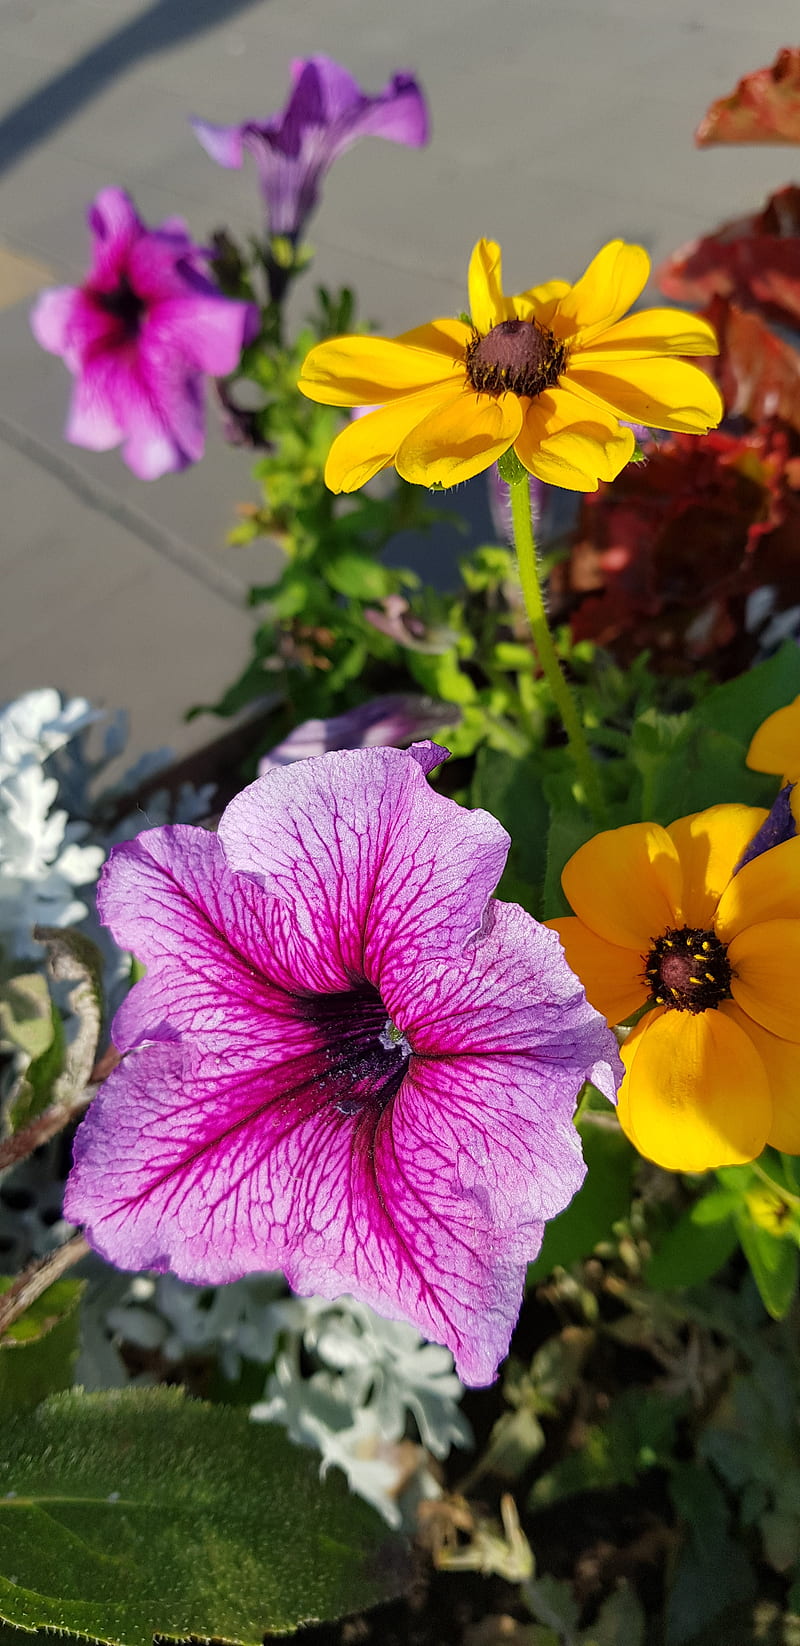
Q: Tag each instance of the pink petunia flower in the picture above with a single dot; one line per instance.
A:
(345, 1060)
(326, 113)
(139, 335)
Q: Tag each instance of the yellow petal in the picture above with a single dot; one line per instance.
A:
(449, 337)
(369, 443)
(709, 845)
(625, 885)
(487, 305)
(612, 282)
(663, 393)
(765, 963)
(768, 888)
(562, 442)
(367, 371)
(460, 439)
(776, 745)
(651, 332)
(781, 1059)
(612, 977)
(695, 1093)
(540, 302)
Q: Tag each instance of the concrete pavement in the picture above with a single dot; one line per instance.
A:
(557, 125)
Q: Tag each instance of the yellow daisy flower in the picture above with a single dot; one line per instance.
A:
(712, 1070)
(776, 745)
(550, 372)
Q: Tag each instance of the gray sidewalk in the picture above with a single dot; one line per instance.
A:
(558, 124)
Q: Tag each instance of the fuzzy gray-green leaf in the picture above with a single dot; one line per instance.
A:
(138, 1512)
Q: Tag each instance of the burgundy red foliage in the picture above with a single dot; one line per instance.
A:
(754, 261)
(665, 558)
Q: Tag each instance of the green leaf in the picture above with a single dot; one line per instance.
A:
(441, 674)
(711, 1570)
(570, 827)
(704, 768)
(620, 1621)
(140, 1512)
(38, 1352)
(739, 707)
(774, 1263)
(25, 1013)
(638, 1434)
(604, 1198)
(511, 790)
(34, 1090)
(358, 576)
(696, 1247)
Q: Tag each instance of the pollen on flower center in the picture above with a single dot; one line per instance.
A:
(124, 304)
(516, 357)
(362, 1055)
(688, 969)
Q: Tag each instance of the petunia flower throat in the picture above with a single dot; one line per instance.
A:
(345, 1060)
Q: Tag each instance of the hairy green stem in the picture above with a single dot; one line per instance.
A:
(545, 649)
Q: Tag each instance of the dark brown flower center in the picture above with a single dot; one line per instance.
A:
(688, 969)
(516, 357)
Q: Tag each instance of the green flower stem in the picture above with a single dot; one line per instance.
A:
(545, 650)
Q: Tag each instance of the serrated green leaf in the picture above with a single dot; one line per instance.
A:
(604, 1198)
(140, 1512)
(774, 1264)
(38, 1352)
(696, 1247)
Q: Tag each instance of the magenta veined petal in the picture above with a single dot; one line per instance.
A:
(344, 1060)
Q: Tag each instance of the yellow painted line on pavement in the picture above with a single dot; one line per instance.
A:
(21, 277)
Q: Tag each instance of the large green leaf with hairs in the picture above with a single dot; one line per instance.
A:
(138, 1512)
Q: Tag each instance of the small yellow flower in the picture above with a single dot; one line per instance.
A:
(550, 372)
(712, 1070)
(776, 745)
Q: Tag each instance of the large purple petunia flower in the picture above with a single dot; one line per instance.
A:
(138, 336)
(326, 113)
(345, 1061)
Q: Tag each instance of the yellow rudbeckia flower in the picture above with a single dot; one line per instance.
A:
(550, 372)
(712, 1071)
(775, 747)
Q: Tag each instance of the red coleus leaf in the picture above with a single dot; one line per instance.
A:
(753, 260)
(665, 558)
(764, 108)
(758, 373)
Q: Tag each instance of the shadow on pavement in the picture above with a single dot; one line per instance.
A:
(163, 24)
